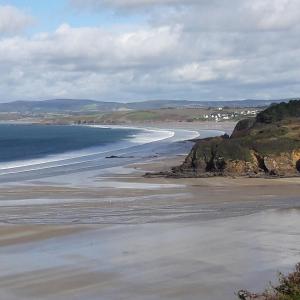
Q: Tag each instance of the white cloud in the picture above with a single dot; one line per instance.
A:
(13, 20)
(81, 62)
(131, 4)
(206, 71)
(190, 49)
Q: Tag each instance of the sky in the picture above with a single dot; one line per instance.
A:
(134, 50)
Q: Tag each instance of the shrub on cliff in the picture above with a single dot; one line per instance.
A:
(278, 112)
(288, 289)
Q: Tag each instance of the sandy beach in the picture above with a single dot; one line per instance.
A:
(174, 260)
(130, 237)
(149, 150)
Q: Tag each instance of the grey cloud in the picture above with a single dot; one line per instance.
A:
(13, 20)
(200, 50)
(219, 15)
(233, 16)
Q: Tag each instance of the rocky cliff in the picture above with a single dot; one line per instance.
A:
(266, 145)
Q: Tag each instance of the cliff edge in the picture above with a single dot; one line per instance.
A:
(266, 145)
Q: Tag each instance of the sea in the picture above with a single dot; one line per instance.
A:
(22, 142)
(31, 152)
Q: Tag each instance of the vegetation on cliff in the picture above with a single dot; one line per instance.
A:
(268, 144)
(288, 289)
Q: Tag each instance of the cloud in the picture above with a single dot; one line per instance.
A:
(13, 20)
(82, 62)
(188, 49)
(130, 4)
(221, 15)
(275, 14)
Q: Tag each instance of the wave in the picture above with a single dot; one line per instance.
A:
(144, 136)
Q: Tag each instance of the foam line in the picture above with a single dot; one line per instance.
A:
(145, 136)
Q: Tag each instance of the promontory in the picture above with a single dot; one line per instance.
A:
(266, 145)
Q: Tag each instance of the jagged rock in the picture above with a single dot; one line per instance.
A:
(271, 165)
(242, 127)
(267, 145)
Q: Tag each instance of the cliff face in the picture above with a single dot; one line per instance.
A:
(268, 144)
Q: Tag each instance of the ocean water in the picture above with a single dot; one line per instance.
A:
(22, 142)
(73, 153)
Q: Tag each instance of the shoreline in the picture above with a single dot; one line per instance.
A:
(144, 146)
(157, 133)
(124, 188)
(102, 235)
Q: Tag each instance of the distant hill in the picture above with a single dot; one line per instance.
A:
(268, 144)
(57, 106)
(70, 105)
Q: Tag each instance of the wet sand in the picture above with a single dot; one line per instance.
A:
(124, 196)
(176, 260)
(130, 237)
(199, 239)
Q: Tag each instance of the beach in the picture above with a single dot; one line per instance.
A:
(149, 150)
(114, 234)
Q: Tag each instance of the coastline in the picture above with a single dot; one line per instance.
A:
(155, 131)
(111, 233)
(139, 138)
(123, 182)
(143, 147)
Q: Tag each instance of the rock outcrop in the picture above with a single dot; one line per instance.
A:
(266, 145)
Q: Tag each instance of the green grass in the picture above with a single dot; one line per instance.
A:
(90, 107)
(143, 115)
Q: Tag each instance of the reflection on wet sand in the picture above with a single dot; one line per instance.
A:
(208, 259)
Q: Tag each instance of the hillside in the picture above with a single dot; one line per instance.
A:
(82, 105)
(268, 144)
(167, 115)
(57, 106)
